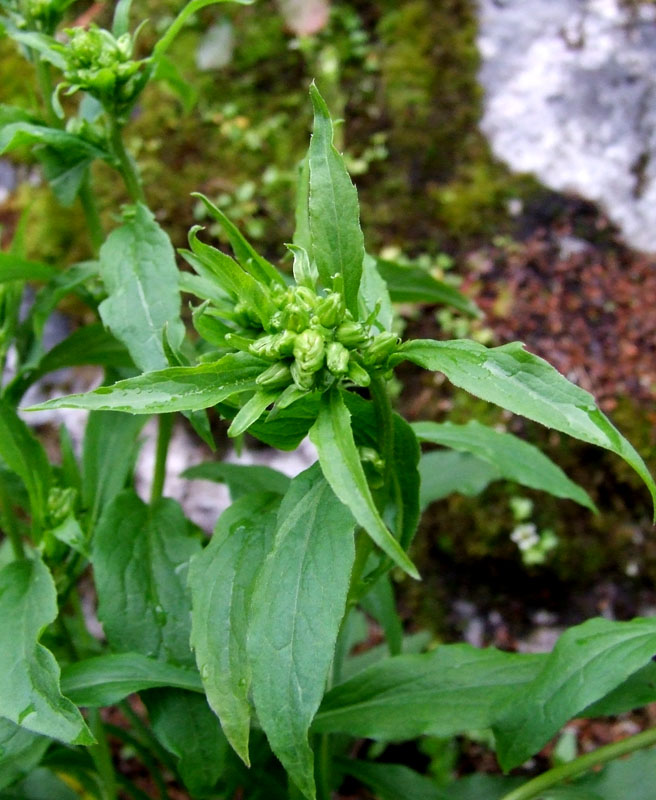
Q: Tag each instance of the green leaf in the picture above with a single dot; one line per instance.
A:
(187, 727)
(48, 297)
(635, 692)
(302, 237)
(623, 779)
(415, 285)
(221, 579)
(514, 459)
(65, 172)
(21, 134)
(241, 479)
(106, 680)
(406, 478)
(140, 558)
(451, 690)
(298, 605)
(42, 784)
(21, 751)
(290, 425)
(172, 389)
(587, 662)
(521, 382)
(444, 472)
(121, 19)
(393, 781)
(337, 241)
(108, 456)
(178, 23)
(230, 277)
(255, 264)
(29, 675)
(13, 268)
(331, 434)
(251, 411)
(25, 456)
(137, 266)
(481, 787)
(380, 604)
(374, 293)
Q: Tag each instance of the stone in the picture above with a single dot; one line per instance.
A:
(570, 96)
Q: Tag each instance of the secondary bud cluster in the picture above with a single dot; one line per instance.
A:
(103, 66)
(313, 341)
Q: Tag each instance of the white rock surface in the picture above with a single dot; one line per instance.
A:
(570, 88)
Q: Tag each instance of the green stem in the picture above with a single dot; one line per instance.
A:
(10, 526)
(102, 757)
(126, 165)
(148, 760)
(535, 787)
(147, 737)
(324, 768)
(165, 422)
(383, 410)
(91, 214)
(45, 88)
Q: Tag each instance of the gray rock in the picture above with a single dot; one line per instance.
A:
(570, 95)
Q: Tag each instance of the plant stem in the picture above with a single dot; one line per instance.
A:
(536, 786)
(126, 165)
(383, 410)
(102, 756)
(324, 768)
(146, 757)
(165, 423)
(90, 208)
(45, 87)
(11, 529)
(148, 738)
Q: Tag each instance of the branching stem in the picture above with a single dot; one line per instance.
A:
(537, 786)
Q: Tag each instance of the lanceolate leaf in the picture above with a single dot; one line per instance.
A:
(187, 727)
(241, 479)
(452, 689)
(331, 434)
(137, 266)
(221, 580)
(108, 456)
(172, 389)
(29, 675)
(337, 241)
(374, 294)
(521, 382)
(13, 268)
(444, 472)
(415, 285)
(21, 751)
(297, 609)
(105, 680)
(393, 781)
(588, 661)
(515, 459)
(248, 257)
(140, 557)
(25, 456)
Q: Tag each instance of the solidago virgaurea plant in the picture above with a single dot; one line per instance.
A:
(261, 620)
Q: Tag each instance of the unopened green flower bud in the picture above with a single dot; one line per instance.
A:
(274, 377)
(309, 350)
(61, 503)
(337, 358)
(371, 456)
(302, 377)
(351, 334)
(379, 349)
(305, 297)
(330, 310)
(273, 345)
(245, 316)
(296, 318)
(358, 374)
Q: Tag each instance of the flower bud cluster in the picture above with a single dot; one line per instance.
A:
(314, 341)
(103, 66)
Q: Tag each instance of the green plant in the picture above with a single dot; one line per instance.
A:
(274, 604)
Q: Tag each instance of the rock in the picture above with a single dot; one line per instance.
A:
(570, 95)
